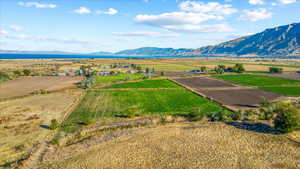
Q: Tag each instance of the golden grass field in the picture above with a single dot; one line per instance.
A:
(24, 121)
(180, 145)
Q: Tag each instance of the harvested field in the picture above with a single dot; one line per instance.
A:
(26, 85)
(24, 121)
(203, 82)
(188, 145)
(292, 76)
(241, 98)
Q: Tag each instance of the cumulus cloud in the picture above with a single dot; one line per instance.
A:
(191, 17)
(210, 7)
(201, 28)
(283, 2)
(256, 2)
(109, 11)
(255, 15)
(16, 28)
(37, 5)
(145, 34)
(3, 32)
(82, 10)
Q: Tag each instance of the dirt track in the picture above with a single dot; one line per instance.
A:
(189, 145)
(25, 85)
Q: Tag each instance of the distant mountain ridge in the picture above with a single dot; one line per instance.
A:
(278, 41)
(282, 41)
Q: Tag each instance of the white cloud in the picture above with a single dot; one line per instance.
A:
(255, 15)
(145, 34)
(16, 28)
(287, 1)
(210, 7)
(82, 10)
(191, 17)
(110, 11)
(37, 5)
(3, 32)
(201, 28)
(256, 2)
(175, 18)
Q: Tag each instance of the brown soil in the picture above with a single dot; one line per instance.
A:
(183, 145)
(241, 98)
(26, 85)
(203, 82)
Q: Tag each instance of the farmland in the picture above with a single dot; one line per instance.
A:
(274, 84)
(154, 114)
(147, 84)
(26, 85)
(119, 77)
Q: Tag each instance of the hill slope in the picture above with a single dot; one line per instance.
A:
(152, 51)
(282, 40)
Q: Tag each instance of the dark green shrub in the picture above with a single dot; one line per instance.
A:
(275, 70)
(17, 73)
(238, 115)
(222, 115)
(54, 124)
(162, 73)
(267, 109)
(196, 115)
(220, 69)
(26, 72)
(56, 140)
(287, 118)
(239, 68)
(4, 77)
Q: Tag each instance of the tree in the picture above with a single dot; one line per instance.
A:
(17, 73)
(26, 72)
(287, 118)
(275, 70)
(203, 69)
(220, 69)
(239, 68)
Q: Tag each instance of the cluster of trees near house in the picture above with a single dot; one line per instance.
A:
(237, 68)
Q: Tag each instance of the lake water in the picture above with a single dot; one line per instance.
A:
(54, 56)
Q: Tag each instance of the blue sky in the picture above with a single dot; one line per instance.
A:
(113, 25)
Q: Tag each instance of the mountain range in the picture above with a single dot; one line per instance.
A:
(278, 41)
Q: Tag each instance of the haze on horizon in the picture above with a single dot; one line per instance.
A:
(113, 25)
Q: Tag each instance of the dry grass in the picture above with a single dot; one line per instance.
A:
(189, 145)
(23, 122)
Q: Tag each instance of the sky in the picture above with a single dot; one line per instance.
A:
(112, 25)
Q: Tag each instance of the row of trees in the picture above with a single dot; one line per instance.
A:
(237, 68)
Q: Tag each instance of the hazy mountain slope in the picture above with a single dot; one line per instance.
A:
(152, 51)
(283, 40)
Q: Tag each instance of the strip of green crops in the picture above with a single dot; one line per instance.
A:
(162, 83)
(101, 104)
(289, 91)
(277, 85)
(119, 77)
(257, 80)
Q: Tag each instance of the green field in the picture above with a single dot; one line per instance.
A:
(102, 104)
(277, 85)
(161, 83)
(289, 90)
(257, 80)
(119, 77)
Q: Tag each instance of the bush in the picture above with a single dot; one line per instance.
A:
(87, 83)
(54, 124)
(267, 109)
(26, 72)
(239, 115)
(17, 73)
(287, 118)
(222, 115)
(203, 69)
(220, 69)
(275, 70)
(196, 115)
(4, 77)
(239, 68)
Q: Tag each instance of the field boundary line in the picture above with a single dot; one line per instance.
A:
(125, 89)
